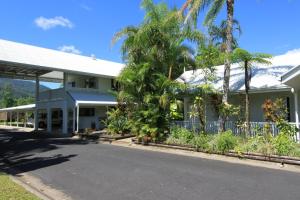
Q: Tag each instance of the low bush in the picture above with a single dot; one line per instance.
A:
(284, 145)
(117, 122)
(201, 142)
(223, 142)
(182, 134)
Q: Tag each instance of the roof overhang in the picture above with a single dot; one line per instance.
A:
(292, 78)
(96, 103)
(19, 108)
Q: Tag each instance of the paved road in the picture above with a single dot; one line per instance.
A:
(98, 171)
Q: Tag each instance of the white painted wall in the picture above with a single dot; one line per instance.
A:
(100, 114)
(102, 84)
(256, 101)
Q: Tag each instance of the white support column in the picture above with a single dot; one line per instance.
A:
(49, 120)
(17, 118)
(186, 108)
(77, 119)
(25, 119)
(65, 119)
(10, 118)
(297, 112)
(37, 97)
(74, 119)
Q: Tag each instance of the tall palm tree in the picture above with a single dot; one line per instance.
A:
(195, 6)
(217, 34)
(248, 60)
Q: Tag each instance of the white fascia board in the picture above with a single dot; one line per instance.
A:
(26, 107)
(99, 103)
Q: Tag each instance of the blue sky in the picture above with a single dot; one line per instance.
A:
(87, 26)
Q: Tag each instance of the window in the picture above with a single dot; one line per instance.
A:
(72, 84)
(90, 83)
(86, 112)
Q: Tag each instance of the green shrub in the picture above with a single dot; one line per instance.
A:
(117, 122)
(180, 136)
(256, 144)
(200, 142)
(182, 133)
(223, 142)
(176, 141)
(284, 145)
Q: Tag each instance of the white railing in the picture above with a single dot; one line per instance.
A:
(236, 128)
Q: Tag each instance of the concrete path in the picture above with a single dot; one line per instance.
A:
(85, 170)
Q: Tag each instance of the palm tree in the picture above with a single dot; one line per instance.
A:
(215, 6)
(248, 60)
(218, 34)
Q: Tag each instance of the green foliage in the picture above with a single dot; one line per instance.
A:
(201, 142)
(227, 110)
(24, 101)
(218, 34)
(223, 142)
(176, 110)
(155, 54)
(117, 122)
(180, 136)
(284, 145)
(7, 97)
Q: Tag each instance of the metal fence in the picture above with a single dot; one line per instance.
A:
(238, 129)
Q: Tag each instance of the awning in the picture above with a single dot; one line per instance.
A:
(93, 98)
(19, 108)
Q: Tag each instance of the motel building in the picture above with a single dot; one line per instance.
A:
(81, 101)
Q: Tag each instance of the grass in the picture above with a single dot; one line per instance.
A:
(9, 190)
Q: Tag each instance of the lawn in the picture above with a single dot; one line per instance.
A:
(12, 191)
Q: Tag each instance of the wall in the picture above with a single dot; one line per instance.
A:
(102, 84)
(100, 114)
(256, 101)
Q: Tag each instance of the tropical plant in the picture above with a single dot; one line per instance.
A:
(155, 53)
(117, 121)
(217, 34)
(180, 136)
(215, 6)
(223, 142)
(7, 96)
(247, 61)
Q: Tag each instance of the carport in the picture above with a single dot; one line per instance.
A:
(18, 110)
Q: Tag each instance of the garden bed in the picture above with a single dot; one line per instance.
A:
(253, 156)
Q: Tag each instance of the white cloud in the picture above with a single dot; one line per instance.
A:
(293, 51)
(69, 49)
(85, 7)
(48, 23)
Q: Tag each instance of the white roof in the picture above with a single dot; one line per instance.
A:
(53, 60)
(25, 107)
(93, 98)
(264, 77)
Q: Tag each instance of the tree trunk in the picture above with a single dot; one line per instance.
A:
(247, 99)
(230, 6)
(170, 72)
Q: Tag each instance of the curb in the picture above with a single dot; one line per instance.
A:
(34, 185)
(213, 157)
(30, 188)
(252, 156)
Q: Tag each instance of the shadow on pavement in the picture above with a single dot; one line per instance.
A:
(20, 150)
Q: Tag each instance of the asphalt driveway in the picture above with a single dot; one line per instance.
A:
(86, 170)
